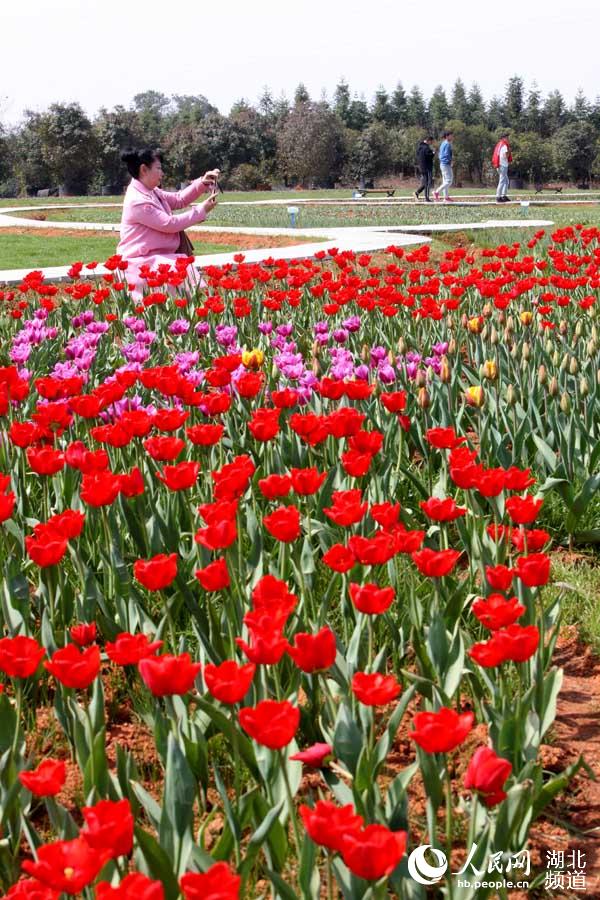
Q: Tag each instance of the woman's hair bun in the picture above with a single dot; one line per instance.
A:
(129, 155)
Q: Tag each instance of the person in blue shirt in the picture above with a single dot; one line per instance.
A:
(445, 157)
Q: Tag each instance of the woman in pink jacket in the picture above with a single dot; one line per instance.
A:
(151, 234)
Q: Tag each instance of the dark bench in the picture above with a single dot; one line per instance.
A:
(547, 187)
(388, 191)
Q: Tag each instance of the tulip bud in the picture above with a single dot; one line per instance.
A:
(501, 317)
(592, 348)
(451, 347)
(423, 398)
(316, 368)
(594, 334)
(584, 387)
(563, 327)
(430, 374)
(542, 375)
(445, 372)
(510, 324)
(526, 317)
(487, 311)
(253, 359)
(598, 376)
(489, 370)
(365, 353)
(449, 322)
(514, 350)
(555, 358)
(525, 351)
(464, 320)
(315, 349)
(579, 328)
(494, 337)
(511, 395)
(573, 366)
(553, 387)
(565, 403)
(549, 347)
(564, 363)
(421, 378)
(401, 345)
(475, 396)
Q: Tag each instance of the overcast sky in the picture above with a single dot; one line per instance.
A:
(102, 52)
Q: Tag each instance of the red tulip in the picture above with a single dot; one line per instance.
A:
(307, 481)
(134, 886)
(375, 689)
(157, 573)
(218, 536)
(486, 774)
(75, 668)
(529, 540)
(214, 577)
(45, 460)
(373, 852)
(385, 514)
(442, 510)
(20, 656)
(533, 570)
(283, 524)
(83, 634)
(100, 488)
(523, 510)
(31, 889)
(339, 558)
(328, 824)
(219, 883)
(441, 731)
(131, 484)
(314, 652)
(109, 827)
(169, 419)
(264, 425)
(443, 438)
(164, 449)
(371, 599)
(496, 611)
(271, 723)
(516, 643)
(180, 477)
(7, 505)
(205, 435)
(47, 780)
(167, 675)
(500, 578)
(66, 866)
(435, 563)
(46, 551)
(129, 649)
(274, 486)
(229, 682)
(347, 509)
(356, 464)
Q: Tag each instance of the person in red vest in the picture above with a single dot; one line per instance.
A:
(501, 159)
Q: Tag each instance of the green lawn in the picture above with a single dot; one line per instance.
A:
(359, 214)
(30, 251)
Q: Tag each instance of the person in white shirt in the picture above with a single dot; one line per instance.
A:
(503, 156)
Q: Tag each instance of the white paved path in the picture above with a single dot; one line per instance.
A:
(363, 239)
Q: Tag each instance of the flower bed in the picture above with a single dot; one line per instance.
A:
(287, 522)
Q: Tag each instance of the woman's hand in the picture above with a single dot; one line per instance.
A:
(210, 178)
(209, 204)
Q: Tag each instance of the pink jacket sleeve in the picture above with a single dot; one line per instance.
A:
(181, 199)
(152, 217)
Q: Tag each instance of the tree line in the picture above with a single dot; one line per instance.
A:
(303, 141)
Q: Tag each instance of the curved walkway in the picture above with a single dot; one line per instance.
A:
(362, 239)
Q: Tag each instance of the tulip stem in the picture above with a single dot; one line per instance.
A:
(449, 824)
(290, 802)
(18, 707)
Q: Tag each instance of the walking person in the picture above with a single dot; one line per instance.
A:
(445, 156)
(425, 154)
(501, 158)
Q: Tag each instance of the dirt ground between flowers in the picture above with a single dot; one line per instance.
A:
(240, 241)
(572, 823)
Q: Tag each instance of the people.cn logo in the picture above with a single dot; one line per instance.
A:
(422, 871)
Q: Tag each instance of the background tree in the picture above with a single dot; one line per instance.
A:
(416, 109)
(403, 148)
(64, 139)
(310, 146)
(371, 154)
(554, 113)
(114, 131)
(514, 103)
(476, 105)
(574, 149)
(533, 110)
(341, 101)
(152, 108)
(358, 113)
(301, 95)
(399, 104)
(459, 105)
(532, 157)
(382, 110)
(439, 111)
